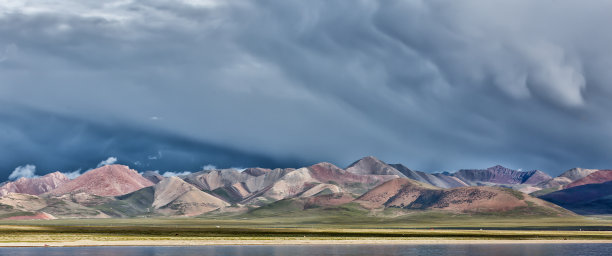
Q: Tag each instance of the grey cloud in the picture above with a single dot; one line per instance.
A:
(436, 85)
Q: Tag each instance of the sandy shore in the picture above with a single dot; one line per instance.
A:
(283, 242)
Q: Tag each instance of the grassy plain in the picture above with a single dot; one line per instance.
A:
(334, 227)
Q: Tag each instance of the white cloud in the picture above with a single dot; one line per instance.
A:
(73, 175)
(108, 161)
(209, 167)
(26, 171)
(240, 169)
(170, 174)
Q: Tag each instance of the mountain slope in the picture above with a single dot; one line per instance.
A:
(34, 186)
(500, 175)
(235, 186)
(173, 196)
(153, 176)
(562, 180)
(348, 181)
(23, 206)
(586, 199)
(372, 166)
(110, 180)
(410, 194)
(436, 179)
(600, 176)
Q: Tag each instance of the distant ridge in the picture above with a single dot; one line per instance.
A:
(500, 175)
(600, 176)
(367, 186)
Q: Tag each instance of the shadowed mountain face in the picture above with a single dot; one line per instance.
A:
(152, 176)
(585, 199)
(34, 186)
(591, 194)
(369, 184)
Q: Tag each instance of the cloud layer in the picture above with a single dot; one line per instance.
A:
(25, 171)
(436, 85)
(110, 160)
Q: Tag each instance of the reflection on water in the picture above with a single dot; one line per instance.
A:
(302, 250)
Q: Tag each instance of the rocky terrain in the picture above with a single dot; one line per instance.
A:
(368, 184)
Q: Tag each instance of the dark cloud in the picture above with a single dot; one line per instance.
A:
(54, 142)
(432, 84)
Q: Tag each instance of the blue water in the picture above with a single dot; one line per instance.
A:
(308, 250)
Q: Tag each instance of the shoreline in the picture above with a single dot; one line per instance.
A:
(88, 243)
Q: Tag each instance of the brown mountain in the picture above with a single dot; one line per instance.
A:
(23, 206)
(110, 180)
(409, 194)
(173, 196)
(351, 182)
(562, 180)
(600, 176)
(371, 165)
(34, 186)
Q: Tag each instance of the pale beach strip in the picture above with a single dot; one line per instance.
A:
(286, 242)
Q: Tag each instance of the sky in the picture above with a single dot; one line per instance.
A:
(179, 85)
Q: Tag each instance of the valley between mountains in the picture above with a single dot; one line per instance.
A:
(368, 187)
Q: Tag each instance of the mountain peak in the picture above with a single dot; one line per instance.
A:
(371, 165)
(109, 180)
(34, 186)
(500, 168)
(577, 173)
(366, 159)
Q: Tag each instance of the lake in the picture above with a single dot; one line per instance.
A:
(308, 250)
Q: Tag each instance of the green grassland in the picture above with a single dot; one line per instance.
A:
(343, 224)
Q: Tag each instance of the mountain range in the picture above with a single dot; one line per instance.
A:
(368, 184)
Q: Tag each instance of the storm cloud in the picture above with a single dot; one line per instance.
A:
(435, 85)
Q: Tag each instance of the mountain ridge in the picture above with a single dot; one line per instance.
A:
(370, 183)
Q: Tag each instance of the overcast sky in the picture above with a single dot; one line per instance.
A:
(177, 85)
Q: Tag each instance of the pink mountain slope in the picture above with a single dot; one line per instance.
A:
(34, 186)
(110, 180)
(600, 176)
